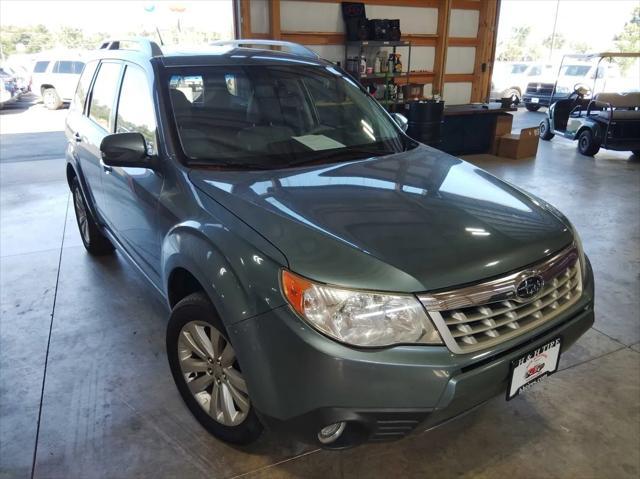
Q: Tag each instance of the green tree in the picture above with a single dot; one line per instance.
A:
(518, 47)
(580, 47)
(628, 40)
(557, 39)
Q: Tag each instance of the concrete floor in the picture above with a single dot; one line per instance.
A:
(85, 389)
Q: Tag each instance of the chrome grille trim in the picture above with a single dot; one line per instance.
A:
(478, 317)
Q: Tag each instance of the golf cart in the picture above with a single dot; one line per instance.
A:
(606, 119)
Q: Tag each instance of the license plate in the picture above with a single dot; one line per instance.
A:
(535, 100)
(533, 367)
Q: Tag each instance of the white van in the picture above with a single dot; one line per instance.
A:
(55, 80)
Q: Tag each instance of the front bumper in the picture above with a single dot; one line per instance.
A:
(301, 381)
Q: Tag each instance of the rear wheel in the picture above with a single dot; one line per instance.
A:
(51, 99)
(532, 106)
(587, 144)
(94, 241)
(206, 371)
(545, 130)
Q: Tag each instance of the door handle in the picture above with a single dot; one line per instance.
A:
(105, 168)
(77, 137)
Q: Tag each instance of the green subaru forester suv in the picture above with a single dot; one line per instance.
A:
(326, 274)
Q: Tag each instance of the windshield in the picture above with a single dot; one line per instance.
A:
(274, 116)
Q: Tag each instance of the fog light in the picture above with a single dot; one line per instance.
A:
(332, 432)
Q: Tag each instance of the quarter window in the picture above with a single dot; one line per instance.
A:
(135, 107)
(104, 93)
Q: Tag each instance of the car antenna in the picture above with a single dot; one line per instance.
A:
(159, 36)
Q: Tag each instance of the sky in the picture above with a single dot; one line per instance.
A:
(119, 16)
(592, 21)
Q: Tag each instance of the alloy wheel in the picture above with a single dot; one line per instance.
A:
(209, 367)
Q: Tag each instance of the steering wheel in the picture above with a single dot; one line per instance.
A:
(581, 90)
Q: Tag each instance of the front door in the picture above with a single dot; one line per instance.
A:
(94, 127)
(131, 194)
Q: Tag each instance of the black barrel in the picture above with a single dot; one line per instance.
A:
(425, 121)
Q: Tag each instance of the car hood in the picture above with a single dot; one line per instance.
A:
(419, 220)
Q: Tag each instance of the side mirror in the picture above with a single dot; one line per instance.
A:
(125, 149)
(401, 120)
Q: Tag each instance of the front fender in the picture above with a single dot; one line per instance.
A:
(240, 280)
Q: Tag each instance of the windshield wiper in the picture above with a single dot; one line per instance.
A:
(338, 155)
(231, 165)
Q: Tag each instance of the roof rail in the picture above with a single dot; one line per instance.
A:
(143, 45)
(295, 48)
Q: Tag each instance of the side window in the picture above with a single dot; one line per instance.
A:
(40, 67)
(135, 107)
(80, 97)
(67, 67)
(104, 93)
(535, 71)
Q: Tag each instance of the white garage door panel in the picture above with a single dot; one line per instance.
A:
(299, 16)
(464, 23)
(259, 17)
(460, 60)
(457, 93)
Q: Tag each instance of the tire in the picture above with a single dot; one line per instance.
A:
(545, 130)
(204, 366)
(587, 144)
(51, 99)
(94, 241)
(532, 106)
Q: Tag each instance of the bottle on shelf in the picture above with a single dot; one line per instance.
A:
(363, 65)
(397, 64)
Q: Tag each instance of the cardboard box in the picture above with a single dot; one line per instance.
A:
(524, 145)
(503, 124)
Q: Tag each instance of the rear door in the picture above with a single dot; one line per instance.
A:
(98, 121)
(131, 194)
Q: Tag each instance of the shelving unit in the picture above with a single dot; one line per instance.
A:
(387, 78)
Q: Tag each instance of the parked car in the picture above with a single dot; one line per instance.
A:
(580, 69)
(55, 79)
(327, 275)
(510, 80)
(610, 120)
(9, 91)
(21, 76)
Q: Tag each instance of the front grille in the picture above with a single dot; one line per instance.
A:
(497, 318)
(542, 89)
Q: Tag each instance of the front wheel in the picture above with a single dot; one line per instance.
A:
(545, 130)
(51, 99)
(532, 106)
(587, 144)
(206, 371)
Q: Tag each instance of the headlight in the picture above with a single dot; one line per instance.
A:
(359, 318)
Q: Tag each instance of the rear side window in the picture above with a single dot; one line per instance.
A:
(104, 93)
(40, 67)
(68, 67)
(135, 107)
(80, 98)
